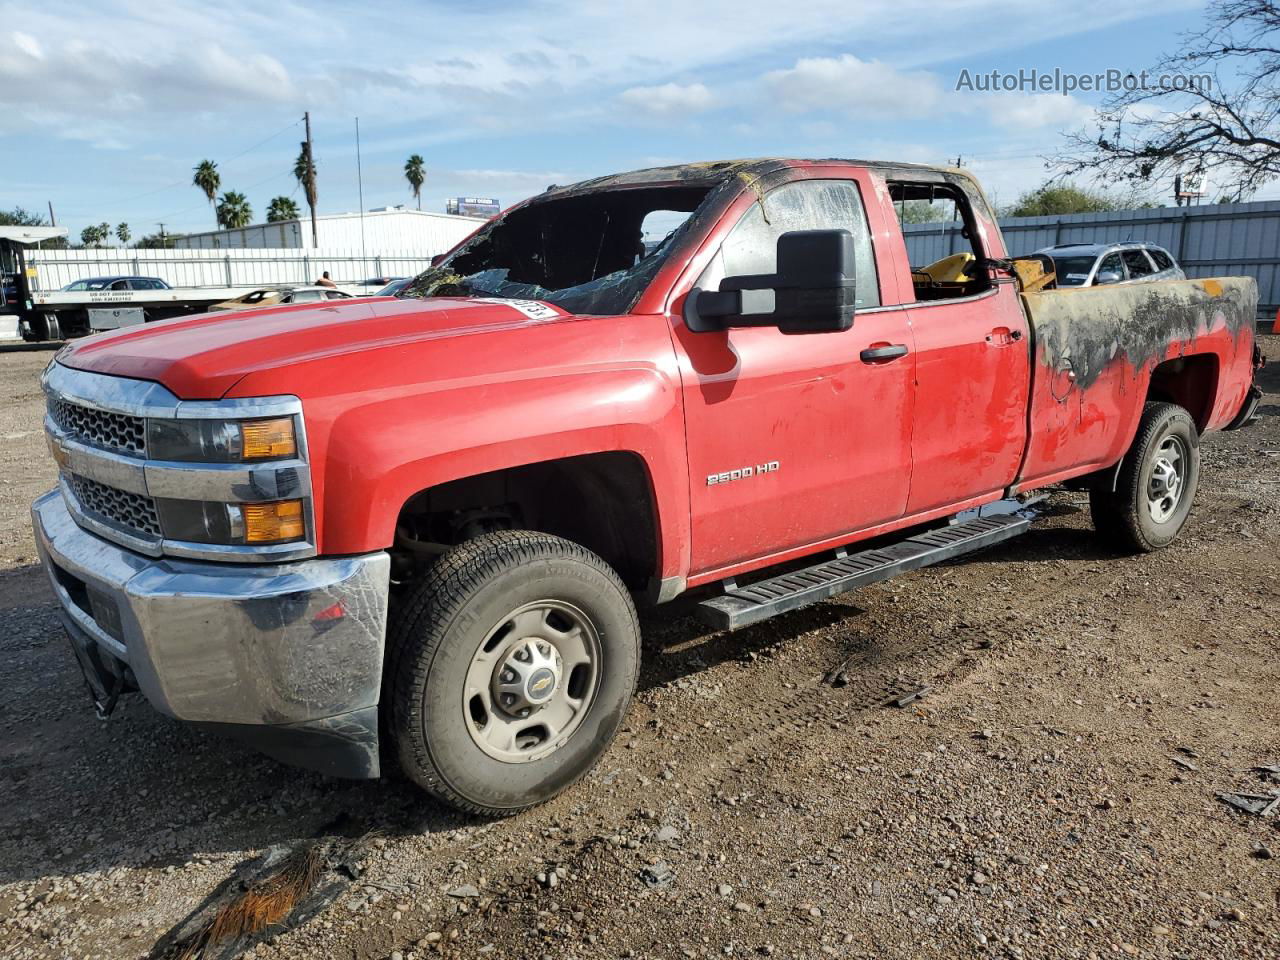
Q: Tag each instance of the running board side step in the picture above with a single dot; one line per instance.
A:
(740, 606)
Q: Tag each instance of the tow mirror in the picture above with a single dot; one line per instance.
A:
(812, 292)
(1107, 276)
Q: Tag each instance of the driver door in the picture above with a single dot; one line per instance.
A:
(794, 440)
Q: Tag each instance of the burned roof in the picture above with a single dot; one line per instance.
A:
(714, 172)
(707, 174)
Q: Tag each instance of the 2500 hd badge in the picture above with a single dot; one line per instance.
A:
(743, 473)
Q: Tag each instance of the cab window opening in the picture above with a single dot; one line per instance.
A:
(963, 272)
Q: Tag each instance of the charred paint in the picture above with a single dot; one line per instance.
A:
(1085, 331)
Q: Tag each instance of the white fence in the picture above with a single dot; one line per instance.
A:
(54, 269)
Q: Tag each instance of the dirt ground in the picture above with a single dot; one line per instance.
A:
(1054, 794)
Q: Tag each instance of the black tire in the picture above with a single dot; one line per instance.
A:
(440, 627)
(1125, 516)
(46, 327)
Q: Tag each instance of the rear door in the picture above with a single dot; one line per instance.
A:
(795, 440)
(1138, 264)
(972, 372)
(1165, 269)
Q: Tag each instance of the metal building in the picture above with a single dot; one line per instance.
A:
(386, 228)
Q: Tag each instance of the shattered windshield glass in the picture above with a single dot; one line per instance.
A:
(590, 254)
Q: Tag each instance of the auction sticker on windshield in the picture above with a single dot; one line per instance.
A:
(533, 309)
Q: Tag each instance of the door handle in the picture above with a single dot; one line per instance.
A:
(881, 354)
(1002, 336)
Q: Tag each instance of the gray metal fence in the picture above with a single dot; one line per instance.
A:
(1216, 240)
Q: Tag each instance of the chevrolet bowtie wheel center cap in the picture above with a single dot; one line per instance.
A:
(527, 677)
(532, 680)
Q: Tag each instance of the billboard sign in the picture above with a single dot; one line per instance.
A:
(473, 207)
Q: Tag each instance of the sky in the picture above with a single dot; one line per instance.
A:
(107, 106)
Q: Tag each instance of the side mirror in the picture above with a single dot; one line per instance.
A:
(813, 290)
(435, 261)
(1107, 276)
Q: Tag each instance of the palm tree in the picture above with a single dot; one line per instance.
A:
(209, 181)
(415, 172)
(304, 170)
(282, 208)
(234, 210)
(122, 231)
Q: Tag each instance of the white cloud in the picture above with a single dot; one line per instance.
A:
(250, 76)
(669, 99)
(854, 86)
(557, 64)
(1028, 110)
(500, 86)
(525, 179)
(101, 79)
(28, 45)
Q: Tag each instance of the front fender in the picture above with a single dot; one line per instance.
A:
(392, 449)
(388, 422)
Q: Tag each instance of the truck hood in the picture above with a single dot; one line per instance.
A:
(202, 357)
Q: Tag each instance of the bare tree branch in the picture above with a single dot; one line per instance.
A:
(1225, 124)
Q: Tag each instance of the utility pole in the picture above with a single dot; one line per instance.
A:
(53, 222)
(364, 256)
(163, 244)
(310, 186)
(959, 158)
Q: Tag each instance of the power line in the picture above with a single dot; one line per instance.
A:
(184, 182)
(201, 205)
(289, 126)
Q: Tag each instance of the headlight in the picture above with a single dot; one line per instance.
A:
(221, 441)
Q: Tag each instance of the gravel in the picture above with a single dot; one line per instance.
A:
(1026, 808)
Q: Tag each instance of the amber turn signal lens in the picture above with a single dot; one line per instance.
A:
(267, 438)
(273, 522)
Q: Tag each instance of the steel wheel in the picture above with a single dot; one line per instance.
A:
(1165, 484)
(1146, 502)
(531, 681)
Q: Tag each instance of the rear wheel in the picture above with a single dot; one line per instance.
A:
(1156, 484)
(510, 670)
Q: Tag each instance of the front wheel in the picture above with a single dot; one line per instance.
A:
(510, 669)
(1156, 484)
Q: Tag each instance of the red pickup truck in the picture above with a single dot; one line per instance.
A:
(431, 516)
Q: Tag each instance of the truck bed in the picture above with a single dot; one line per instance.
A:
(1094, 349)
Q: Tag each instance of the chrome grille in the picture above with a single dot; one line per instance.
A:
(112, 487)
(114, 431)
(132, 511)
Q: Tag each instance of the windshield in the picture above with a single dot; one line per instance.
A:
(1073, 271)
(591, 254)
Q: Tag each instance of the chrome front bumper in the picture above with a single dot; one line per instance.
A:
(285, 655)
